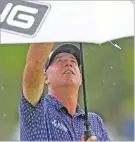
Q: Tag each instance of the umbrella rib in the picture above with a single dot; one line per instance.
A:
(132, 1)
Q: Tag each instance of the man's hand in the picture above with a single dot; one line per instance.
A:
(92, 138)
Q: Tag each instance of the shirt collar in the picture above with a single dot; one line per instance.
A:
(58, 105)
(80, 111)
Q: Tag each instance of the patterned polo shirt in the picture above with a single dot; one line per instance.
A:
(49, 120)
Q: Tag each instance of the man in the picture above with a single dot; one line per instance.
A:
(56, 116)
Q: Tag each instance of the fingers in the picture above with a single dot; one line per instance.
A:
(92, 138)
(82, 138)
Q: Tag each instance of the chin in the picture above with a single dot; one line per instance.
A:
(69, 82)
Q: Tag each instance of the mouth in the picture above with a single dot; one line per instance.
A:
(68, 72)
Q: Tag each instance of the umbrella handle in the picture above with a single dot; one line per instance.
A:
(87, 132)
(87, 135)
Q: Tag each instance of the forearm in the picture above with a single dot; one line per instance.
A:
(33, 77)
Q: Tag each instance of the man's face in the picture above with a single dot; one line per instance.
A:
(63, 71)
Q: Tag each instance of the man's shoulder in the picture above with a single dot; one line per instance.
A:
(26, 105)
(94, 116)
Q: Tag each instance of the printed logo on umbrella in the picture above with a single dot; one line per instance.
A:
(22, 17)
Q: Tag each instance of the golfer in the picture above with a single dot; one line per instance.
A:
(56, 116)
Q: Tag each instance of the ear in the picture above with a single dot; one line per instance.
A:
(46, 79)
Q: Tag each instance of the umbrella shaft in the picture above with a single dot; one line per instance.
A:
(83, 83)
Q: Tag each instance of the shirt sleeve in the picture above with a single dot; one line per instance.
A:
(103, 132)
(30, 119)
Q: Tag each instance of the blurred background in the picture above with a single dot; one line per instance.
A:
(109, 73)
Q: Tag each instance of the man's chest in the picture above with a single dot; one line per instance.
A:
(64, 127)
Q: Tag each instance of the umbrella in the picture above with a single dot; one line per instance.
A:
(64, 21)
(100, 21)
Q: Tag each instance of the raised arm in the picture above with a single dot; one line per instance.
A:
(33, 76)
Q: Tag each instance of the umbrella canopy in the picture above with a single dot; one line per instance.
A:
(62, 21)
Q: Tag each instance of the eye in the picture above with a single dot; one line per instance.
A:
(74, 61)
(59, 61)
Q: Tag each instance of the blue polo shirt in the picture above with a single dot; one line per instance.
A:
(49, 120)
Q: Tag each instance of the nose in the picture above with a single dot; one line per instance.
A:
(68, 63)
